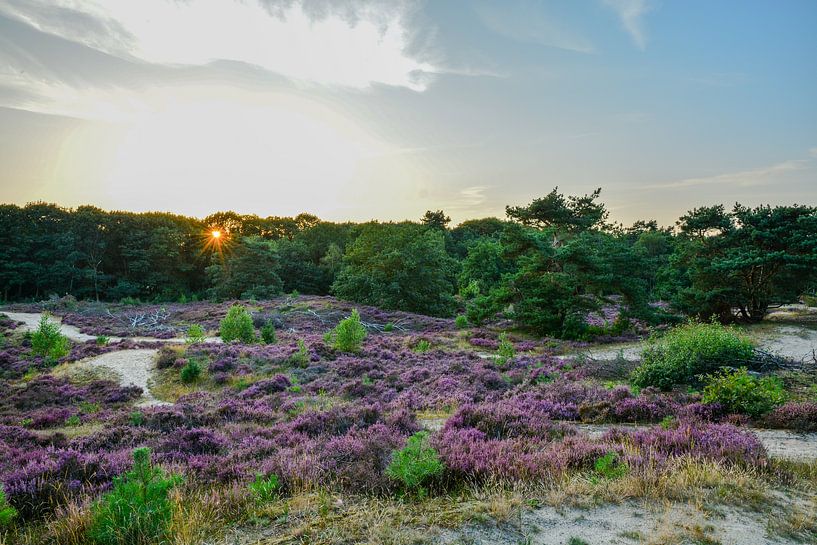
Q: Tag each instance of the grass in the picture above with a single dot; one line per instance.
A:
(325, 516)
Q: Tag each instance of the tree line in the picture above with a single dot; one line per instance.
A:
(545, 265)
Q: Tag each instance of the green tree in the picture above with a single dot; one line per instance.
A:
(398, 266)
(248, 272)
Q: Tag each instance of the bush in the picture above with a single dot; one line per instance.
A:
(801, 417)
(137, 418)
(137, 510)
(610, 467)
(505, 351)
(48, 342)
(739, 392)
(422, 345)
(268, 333)
(348, 334)
(195, 334)
(102, 340)
(237, 325)
(264, 490)
(301, 357)
(415, 464)
(190, 372)
(7, 512)
(461, 321)
(689, 351)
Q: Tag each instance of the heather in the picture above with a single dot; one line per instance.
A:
(258, 424)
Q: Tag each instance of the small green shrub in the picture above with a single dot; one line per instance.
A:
(415, 464)
(268, 333)
(688, 352)
(577, 541)
(740, 392)
(73, 421)
(301, 357)
(237, 326)
(348, 335)
(461, 321)
(610, 467)
(137, 418)
(102, 340)
(137, 511)
(48, 342)
(388, 328)
(265, 490)
(130, 301)
(422, 346)
(505, 351)
(195, 334)
(7, 512)
(191, 372)
(810, 300)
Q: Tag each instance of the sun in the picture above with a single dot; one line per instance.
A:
(215, 233)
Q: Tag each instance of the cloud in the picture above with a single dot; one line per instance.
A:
(527, 22)
(631, 14)
(353, 44)
(813, 152)
(746, 178)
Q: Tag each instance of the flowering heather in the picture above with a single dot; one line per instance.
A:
(795, 416)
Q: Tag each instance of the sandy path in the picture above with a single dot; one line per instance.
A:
(133, 367)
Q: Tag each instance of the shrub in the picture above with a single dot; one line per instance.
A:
(689, 351)
(348, 334)
(301, 357)
(237, 325)
(195, 334)
(137, 510)
(505, 351)
(739, 392)
(268, 333)
(461, 321)
(388, 328)
(48, 342)
(265, 490)
(137, 418)
(795, 416)
(190, 372)
(610, 467)
(7, 512)
(422, 346)
(415, 464)
(102, 340)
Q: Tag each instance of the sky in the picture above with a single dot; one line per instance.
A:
(360, 109)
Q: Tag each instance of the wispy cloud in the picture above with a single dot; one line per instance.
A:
(745, 178)
(813, 152)
(631, 14)
(529, 22)
(353, 44)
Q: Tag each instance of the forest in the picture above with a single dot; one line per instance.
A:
(546, 265)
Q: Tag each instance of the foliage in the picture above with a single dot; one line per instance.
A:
(461, 321)
(415, 464)
(137, 510)
(47, 341)
(7, 512)
(505, 350)
(739, 392)
(265, 489)
(688, 351)
(195, 334)
(248, 272)
(102, 340)
(570, 213)
(301, 356)
(610, 467)
(398, 266)
(268, 333)
(423, 345)
(348, 334)
(237, 326)
(191, 372)
(744, 259)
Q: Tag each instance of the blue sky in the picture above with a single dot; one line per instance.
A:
(356, 109)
